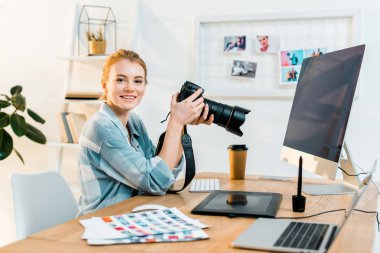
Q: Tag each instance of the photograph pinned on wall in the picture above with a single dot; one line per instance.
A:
(234, 43)
(291, 57)
(290, 75)
(244, 69)
(291, 61)
(314, 51)
(267, 44)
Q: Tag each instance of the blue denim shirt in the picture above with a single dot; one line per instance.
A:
(111, 167)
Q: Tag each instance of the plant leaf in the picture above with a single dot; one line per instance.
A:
(4, 104)
(35, 116)
(19, 155)
(4, 119)
(34, 134)
(19, 102)
(6, 144)
(18, 124)
(16, 90)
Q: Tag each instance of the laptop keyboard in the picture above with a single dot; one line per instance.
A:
(204, 185)
(302, 235)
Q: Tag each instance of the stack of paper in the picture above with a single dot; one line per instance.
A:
(168, 225)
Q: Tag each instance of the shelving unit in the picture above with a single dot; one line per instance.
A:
(85, 58)
(81, 70)
(68, 104)
(61, 146)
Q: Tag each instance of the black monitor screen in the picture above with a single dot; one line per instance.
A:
(322, 103)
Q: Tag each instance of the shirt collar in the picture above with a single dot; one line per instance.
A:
(132, 128)
(106, 109)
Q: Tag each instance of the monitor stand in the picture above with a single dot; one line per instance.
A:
(350, 185)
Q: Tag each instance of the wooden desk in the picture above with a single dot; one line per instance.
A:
(357, 234)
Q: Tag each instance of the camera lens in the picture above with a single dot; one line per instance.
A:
(228, 117)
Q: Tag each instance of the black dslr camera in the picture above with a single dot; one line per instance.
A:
(231, 118)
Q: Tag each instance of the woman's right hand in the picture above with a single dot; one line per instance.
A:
(181, 114)
(188, 110)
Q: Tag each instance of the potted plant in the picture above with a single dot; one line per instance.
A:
(96, 42)
(17, 122)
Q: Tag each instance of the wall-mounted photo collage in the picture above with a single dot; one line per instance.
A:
(290, 61)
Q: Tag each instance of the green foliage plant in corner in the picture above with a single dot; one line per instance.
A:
(17, 122)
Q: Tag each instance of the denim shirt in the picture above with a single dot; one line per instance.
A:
(111, 168)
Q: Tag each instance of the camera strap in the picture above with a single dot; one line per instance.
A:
(189, 158)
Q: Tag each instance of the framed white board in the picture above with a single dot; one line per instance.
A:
(333, 30)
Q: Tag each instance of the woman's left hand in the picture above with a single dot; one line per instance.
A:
(203, 117)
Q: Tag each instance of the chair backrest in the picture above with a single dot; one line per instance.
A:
(40, 201)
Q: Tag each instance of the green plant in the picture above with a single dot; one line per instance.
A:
(98, 36)
(17, 123)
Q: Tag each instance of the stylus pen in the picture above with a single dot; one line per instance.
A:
(299, 177)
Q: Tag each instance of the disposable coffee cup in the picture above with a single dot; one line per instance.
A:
(238, 157)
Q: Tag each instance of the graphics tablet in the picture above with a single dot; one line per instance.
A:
(239, 203)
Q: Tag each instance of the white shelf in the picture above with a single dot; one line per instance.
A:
(85, 58)
(83, 101)
(63, 145)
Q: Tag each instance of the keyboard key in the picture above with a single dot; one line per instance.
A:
(204, 185)
(302, 235)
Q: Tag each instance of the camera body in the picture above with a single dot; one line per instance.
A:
(187, 89)
(231, 118)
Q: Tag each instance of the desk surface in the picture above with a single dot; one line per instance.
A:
(357, 234)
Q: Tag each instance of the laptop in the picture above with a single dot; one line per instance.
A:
(287, 235)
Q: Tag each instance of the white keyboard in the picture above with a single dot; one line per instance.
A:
(204, 185)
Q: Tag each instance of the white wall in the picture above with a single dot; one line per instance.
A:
(165, 39)
(36, 33)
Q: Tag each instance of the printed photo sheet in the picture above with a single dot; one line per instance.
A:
(153, 226)
(179, 236)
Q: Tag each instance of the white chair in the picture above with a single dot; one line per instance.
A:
(40, 201)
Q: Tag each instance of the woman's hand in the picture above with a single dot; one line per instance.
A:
(203, 118)
(189, 110)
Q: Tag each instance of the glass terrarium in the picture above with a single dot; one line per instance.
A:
(96, 30)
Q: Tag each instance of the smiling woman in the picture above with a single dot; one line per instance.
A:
(117, 158)
(125, 87)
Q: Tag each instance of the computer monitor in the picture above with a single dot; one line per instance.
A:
(321, 109)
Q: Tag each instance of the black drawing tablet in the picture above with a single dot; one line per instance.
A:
(238, 203)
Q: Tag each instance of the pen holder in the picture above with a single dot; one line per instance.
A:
(299, 203)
